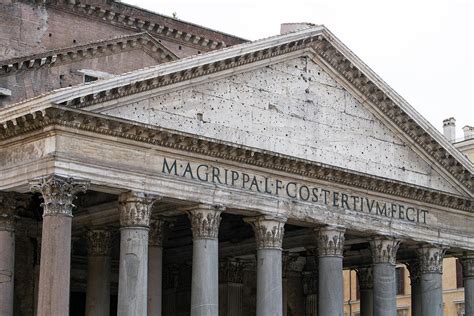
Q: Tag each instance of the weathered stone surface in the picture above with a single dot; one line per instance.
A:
(294, 108)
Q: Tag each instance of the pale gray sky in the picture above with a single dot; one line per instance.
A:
(421, 48)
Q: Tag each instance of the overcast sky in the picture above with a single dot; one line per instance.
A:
(421, 48)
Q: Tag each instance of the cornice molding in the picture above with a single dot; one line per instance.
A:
(100, 124)
(91, 50)
(318, 41)
(168, 31)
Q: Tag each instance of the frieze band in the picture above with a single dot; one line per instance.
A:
(293, 190)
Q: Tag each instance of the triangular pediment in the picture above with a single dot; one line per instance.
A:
(293, 107)
(302, 94)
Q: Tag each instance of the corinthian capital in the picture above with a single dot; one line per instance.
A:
(330, 241)
(384, 249)
(8, 205)
(413, 267)
(431, 258)
(99, 242)
(157, 232)
(366, 280)
(467, 262)
(58, 193)
(135, 209)
(205, 221)
(268, 231)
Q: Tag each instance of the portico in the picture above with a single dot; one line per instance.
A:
(236, 202)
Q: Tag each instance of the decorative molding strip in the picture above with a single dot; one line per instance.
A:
(91, 50)
(166, 31)
(205, 221)
(269, 231)
(135, 209)
(99, 242)
(58, 193)
(384, 250)
(431, 258)
(330, 241)
(78, 120)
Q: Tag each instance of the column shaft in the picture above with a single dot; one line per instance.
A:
(384, 255)
(98, 286)
(205, 222)
(468, 273)
(269, 236)
(7, 264)
(414, 269)
(366, 290)
(155, 280)
(311, 305)
(98, 273)
(385, 296)
(135, 210)
(205, 284)
(269, 283)
(58, 194)
(331, 286)
(132, 295)
(431, 284)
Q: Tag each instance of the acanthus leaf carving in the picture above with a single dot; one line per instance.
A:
(135, 209)
(268, 231)
(330, 241)
(58, 193)
(205, 221)
(431, 258)
(384, 250)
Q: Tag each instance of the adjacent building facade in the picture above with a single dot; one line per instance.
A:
(155, 167)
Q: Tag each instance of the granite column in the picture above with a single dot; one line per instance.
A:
(7, 251)
(330, 254)
(384, 255)
(269, 237)
(58, 194)
(431, 283)
(366, 290)
(155, 267)
(135, 209)
(98, 272)
(467, 262)
(414, 269)
(205, 221)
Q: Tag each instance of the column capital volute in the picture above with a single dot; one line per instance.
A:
(99, 242)
(9, 203)
(135, 208)
(205, 220)
(467, 261)
(58, 193)
(330, 239)
(431, 258)
(365, 276)
(384, 249)
(268, 230)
